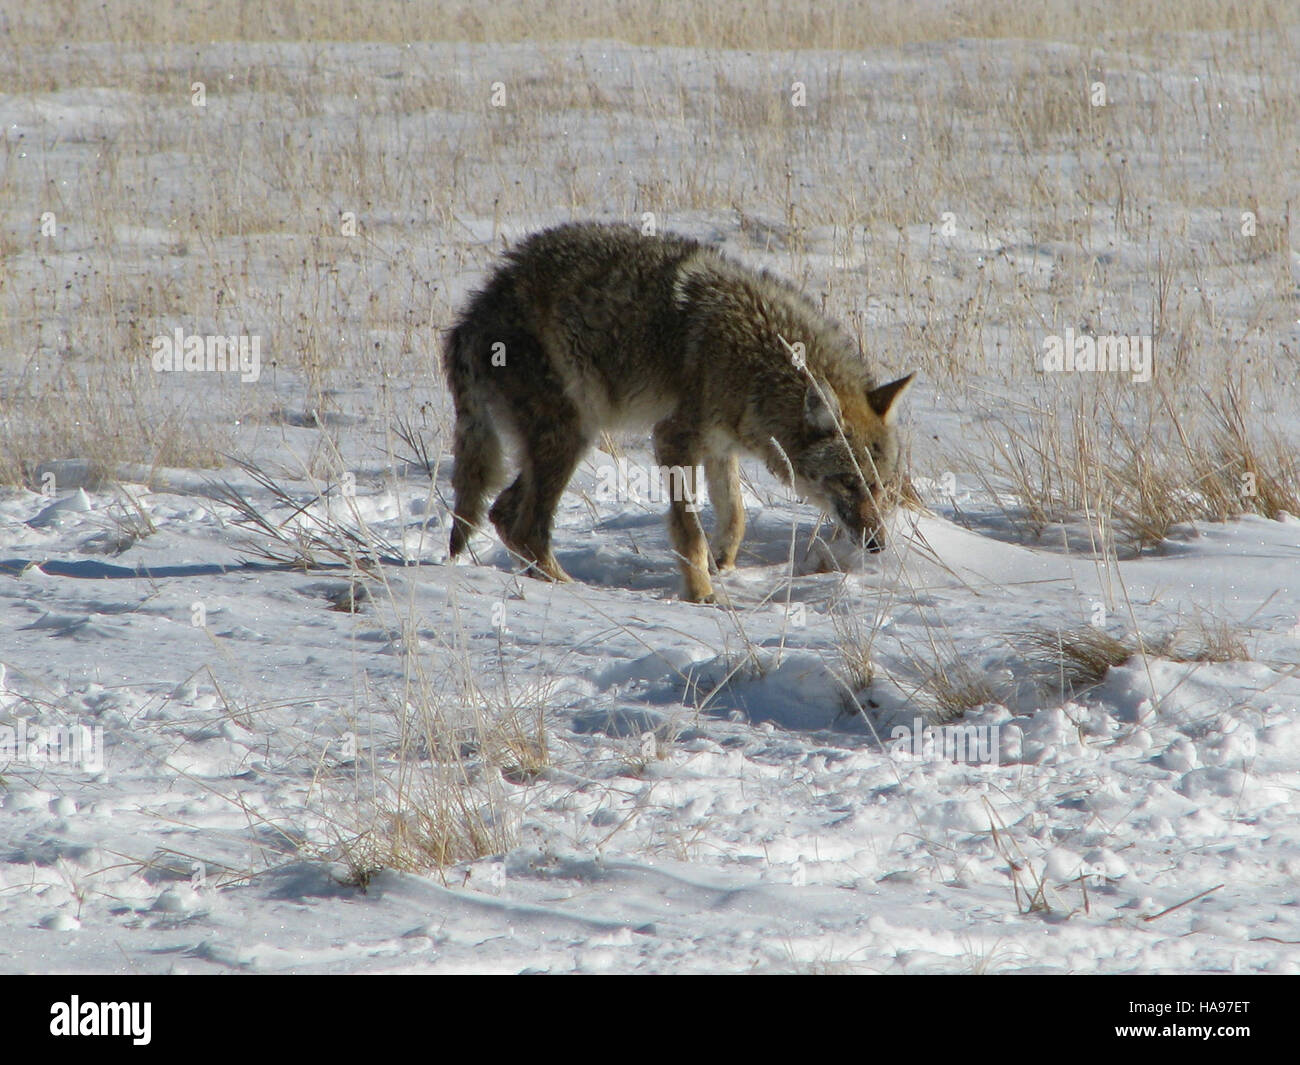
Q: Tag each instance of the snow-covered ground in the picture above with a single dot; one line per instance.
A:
(762, 830)
(627, 782)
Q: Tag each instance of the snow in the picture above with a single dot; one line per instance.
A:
(764, 829)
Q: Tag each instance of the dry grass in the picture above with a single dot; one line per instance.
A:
(1028, 887)
(1204, 638)
(438, 823)
(767, 25)
(854, 643)
(320, 528)
(1069, 661)
(442, 787)
(854, 649)
(1134, 465)
(451, 787)
(1075, 659)
(950, 688)
(102, 413)
(296, 140)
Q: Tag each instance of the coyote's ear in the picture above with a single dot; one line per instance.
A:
(821, 413)
(882, 399)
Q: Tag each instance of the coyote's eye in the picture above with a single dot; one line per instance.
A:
(853, 484)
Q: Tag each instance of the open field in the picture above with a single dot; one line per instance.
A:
(327, 750)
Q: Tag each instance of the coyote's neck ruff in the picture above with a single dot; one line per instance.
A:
(589, 327)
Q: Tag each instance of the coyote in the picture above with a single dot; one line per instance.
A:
(587, 327)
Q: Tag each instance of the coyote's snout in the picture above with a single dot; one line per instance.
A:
(589, 327)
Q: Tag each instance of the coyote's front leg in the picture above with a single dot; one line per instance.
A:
(723, 473)
(677, 447)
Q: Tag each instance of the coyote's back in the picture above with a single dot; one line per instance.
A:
(588, 327)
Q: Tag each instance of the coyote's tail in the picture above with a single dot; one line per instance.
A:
(477, 447)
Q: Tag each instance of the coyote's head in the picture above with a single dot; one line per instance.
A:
(847, 459)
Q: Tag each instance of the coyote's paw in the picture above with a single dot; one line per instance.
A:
(547, 569)
(697, 590)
